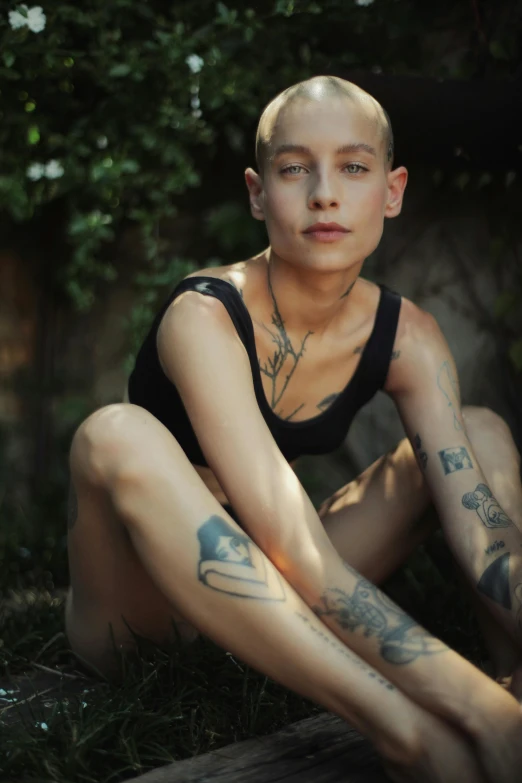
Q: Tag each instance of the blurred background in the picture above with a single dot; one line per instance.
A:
(125, 129)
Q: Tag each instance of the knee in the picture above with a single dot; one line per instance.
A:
(481, 421)
(485, 418)
(104, 442)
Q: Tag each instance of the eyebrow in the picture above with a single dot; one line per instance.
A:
(346, 149)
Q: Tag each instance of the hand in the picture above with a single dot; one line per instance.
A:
(446, 756)
(495, 725)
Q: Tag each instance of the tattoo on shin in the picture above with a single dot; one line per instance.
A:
(455, 458)
(72, 507)
(232, 563)
(402, 640)
(487, 507)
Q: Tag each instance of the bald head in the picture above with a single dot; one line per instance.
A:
(320, 88)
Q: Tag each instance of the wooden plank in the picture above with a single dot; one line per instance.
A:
(321, 749)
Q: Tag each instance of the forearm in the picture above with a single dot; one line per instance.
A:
(381, 633)
(487, 545)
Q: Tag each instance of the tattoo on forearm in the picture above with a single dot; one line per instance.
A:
(488, 509)
(324, 404)
(402, 639)
(274, 366)
(350, 656)
(72, 507)
(422, 457)
(494, 547)
(455, 458)
(232, 563)
(448, 384)
(494, 582)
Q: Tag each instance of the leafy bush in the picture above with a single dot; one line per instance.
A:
(116, 107)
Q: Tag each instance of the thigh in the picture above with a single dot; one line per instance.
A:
(377, 520)
(111, 594)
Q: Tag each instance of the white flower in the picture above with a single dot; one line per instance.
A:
(54, 170)
(35, 171)
(364, 2)
(195, 62)
(33, 18)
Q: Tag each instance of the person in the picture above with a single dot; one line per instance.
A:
(186, 514)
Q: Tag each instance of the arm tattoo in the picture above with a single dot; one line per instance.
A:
(488, 509)
(231, 563)
(402, 639)
(455, 458)
(422, 457)
(351, 656)
(447, 383)
(72, 507)
(494, 547)
(494, 582)
(284, 349)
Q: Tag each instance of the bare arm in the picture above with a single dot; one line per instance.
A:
(385, 650)
(485, 541)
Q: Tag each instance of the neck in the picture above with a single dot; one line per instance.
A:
(306, 299)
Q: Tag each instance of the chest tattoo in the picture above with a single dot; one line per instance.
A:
(273, 368)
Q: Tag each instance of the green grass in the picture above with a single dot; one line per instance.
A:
(173, 703)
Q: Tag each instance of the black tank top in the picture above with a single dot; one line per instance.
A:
(150, 387)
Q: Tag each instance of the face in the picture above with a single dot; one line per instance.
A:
(326, 164)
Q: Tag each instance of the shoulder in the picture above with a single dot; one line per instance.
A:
(417, 342)
(194, 306)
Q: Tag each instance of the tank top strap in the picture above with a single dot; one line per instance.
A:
(225, 292)
(380, 345)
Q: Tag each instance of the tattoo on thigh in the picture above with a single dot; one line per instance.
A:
(448, 385)
(487, 507)
(422, 457)
(455, 458)
(72, 507)
(494, 582)
(402, 639)
(230, 562)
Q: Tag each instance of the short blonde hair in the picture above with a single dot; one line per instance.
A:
(325, 86)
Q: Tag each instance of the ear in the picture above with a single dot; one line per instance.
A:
(254, 184)
(397, 180)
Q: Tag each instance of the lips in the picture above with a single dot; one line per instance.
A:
(326, 227)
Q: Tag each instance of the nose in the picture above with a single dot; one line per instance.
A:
(322, 193)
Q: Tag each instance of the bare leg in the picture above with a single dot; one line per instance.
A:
(210, 572)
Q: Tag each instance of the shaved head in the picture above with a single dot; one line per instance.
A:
(320, 88)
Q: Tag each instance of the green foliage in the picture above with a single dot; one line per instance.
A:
(116, 106)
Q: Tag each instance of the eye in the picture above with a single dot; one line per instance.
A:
(291, 169)
(355, 168)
